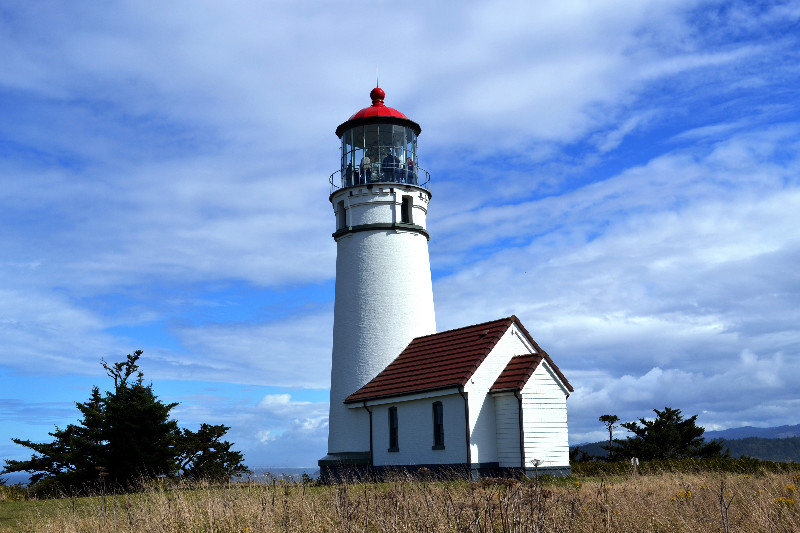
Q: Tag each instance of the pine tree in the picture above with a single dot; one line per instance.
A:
(139, 434)
(669, 436)
(204, 456)
(124, 437)
(75, 456)
(610, 422)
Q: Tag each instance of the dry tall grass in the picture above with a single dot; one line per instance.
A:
(668, 502)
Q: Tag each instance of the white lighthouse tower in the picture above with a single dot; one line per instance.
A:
(383, 279)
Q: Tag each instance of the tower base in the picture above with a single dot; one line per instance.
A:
(345, 467)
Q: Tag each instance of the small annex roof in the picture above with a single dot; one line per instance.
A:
(517, 372)
(442, 361)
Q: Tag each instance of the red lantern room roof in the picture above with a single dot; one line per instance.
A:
(378, 109)
(378, 112)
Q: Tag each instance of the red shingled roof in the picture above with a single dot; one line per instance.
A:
(441, 361)
(517, 372)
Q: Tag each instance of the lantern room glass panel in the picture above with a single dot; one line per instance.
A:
(378, 153)
(370, 162)
(347, 156)
(357, 153)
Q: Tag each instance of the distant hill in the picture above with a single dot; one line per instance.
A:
(592, 448)
(782, 450)
(780, 432)
(768, 449)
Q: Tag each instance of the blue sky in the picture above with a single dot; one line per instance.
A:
(623, 176)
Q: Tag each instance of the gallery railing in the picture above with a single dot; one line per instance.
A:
(379, 174)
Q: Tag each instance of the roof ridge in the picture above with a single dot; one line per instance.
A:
(512, 317)
(519, 370)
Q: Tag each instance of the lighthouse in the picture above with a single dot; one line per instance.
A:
(483, 399)
(383, 296)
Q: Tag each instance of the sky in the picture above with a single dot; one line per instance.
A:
(623, 176)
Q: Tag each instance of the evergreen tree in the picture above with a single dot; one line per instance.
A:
(123, 437)
(75, 456)
(204, 456)
(140, 437)
(609, 421)
(669, 436)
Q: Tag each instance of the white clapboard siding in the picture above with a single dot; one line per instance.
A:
(506, 408)
(544, 408)
(483, 428)
(415, 432)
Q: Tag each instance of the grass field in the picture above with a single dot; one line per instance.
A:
(664, 502)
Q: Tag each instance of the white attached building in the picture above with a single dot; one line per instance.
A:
(486, 396)
(482, 398)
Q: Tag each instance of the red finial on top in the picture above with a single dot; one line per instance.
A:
(377, 96)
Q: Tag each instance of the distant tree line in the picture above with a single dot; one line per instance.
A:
(668, 436)
(124, 437)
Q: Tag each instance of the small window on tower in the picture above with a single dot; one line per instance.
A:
(341, 217)
(438, 426)
(405, 210)
(393, 447)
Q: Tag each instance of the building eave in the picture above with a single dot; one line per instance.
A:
(396, 398)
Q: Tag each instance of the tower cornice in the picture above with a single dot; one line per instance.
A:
(382, 227)
(375, 188)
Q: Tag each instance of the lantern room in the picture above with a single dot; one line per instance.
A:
(379, 145)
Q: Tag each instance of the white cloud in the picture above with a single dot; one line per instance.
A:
(272, 401)
(241, 141)
(275, 430)
(291, 352)
(47, 334)
(301, 414)
(266, 436)
(611, 140)
(296, 431)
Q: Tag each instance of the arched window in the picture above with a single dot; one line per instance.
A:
(393, 447)
(438, 426)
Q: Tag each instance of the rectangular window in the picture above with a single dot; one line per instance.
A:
(438, 426)
(405, 210)
(393, 447)
(341, 216)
